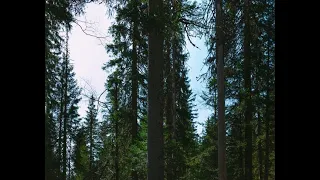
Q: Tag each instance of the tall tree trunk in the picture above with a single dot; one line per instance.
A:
(240, 139)
(169, 115)
(173, 74)
(69, 159)
(117, 133)
(240, 159)
(49, 161)
(267, 123)
(65, 138)
(256, 92)
(155, 70)
(91, 143)
(173, 94)
(173, 89)
(65, 111)
(221, 94)
(134, 90)
(60, 140)
(60, 128)
(215, 103)
(247, 84)
(161, 95)
(260, 155)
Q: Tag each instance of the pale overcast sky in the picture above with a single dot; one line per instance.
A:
(89, 54)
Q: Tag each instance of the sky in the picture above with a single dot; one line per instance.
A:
(88, 55)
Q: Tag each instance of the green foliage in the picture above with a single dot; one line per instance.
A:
(81, 154)
(100, 150)
(262, 79)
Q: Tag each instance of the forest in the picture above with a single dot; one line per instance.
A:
(148, 128)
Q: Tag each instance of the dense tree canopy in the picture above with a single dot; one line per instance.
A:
(149, 110)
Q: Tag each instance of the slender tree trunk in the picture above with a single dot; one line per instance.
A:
(240, 139)
(260, 155)
(65, 111)
(247, 84)
(91, 143)
(60, 129)
(155, 70)
(169, 90)
(60, 125)
(241, 159)
(169, 116)
(134, 90)
(173, 73)
(173, 89)
(267, 125)
(48, 140)
(65, 139)
(215, 103)
(69, 159)
(173, 95)
(161, 121)
(117, 134)
(221, 94)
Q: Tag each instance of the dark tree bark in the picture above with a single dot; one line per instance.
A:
(240, 139)
(169, 115)
(221, 94)
(116, 104)
(60, 129)
(267, 125)
(260, 155)
(91, 142)
(247, 85)
(134, 90)
(69, 160)
(65, 111)
(155, 71)
(173, 88)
